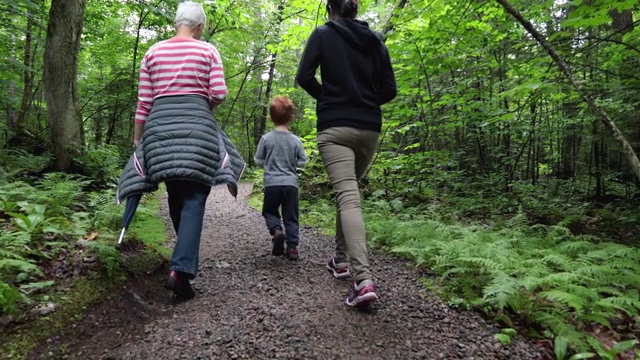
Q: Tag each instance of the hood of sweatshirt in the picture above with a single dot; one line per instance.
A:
(356, 33)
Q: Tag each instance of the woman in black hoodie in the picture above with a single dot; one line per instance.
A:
(357, 78)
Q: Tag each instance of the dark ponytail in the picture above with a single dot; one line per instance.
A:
(347, 9)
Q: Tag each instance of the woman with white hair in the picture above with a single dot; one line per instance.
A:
(177, 138)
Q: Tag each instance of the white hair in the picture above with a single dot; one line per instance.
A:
(190, 14)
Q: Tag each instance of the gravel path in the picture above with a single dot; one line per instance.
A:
(251, 305)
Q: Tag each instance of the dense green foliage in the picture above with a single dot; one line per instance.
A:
(554, 283)
(50, 220)
(490, 171)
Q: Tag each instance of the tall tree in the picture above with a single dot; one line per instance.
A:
(262, 122)
(60, 69)
(602, 115)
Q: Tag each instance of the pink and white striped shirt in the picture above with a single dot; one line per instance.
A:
(180, 66)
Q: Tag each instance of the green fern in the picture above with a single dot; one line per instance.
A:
(564, 297)
(628, 304)
(559, 261)
(544, 274)
(501, 290)
(9, 298)
(574, 247)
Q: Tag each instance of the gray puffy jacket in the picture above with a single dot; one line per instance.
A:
(181, 140)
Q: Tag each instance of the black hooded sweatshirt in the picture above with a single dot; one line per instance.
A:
(356, 74)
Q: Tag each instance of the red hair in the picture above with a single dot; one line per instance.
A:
(281, 109)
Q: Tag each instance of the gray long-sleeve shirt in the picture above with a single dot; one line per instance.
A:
(280, 153)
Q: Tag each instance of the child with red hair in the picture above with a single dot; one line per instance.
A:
(281, 153)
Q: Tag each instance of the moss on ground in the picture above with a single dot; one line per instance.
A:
(70, 307)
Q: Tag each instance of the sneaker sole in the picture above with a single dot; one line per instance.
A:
(362, 301)
(278, 245)
(338, 275)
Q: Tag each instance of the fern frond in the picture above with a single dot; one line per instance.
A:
(484, 263)
(608, 290)
(564, 297)
(20, 265)
(559, 260)
(552, 320)
(573, 247)
(626, 304)
(559, 279)
(583, 292)
(529, 268)
(501, 289)
(597, 318)
(456, 271)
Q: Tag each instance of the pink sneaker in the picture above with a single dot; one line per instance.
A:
(339, 271)
(363, 294)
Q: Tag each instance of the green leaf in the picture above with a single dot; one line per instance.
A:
(624, 346)
(595, 318)
(37, 285)
(582, 356)
(560, 347)
(504, 339)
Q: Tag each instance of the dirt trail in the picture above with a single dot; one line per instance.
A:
(252, 305)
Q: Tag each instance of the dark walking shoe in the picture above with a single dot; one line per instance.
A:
(291, 253)
(339, 271)
(278, 243)
(179, 284)
(362, 295)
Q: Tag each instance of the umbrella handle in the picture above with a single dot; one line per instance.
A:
(121, 235)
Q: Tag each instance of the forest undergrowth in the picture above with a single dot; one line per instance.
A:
(58, 244)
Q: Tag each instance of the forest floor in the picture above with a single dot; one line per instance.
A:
(252, 305)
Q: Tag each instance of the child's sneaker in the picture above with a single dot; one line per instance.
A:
(361, 295)
(278, 243)
(339, 271)
(291, 253)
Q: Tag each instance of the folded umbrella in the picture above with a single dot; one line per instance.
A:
(132, 204)
(131, 185)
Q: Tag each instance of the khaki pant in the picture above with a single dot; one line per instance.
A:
(346, 154)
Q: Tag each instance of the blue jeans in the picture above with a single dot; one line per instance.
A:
(187, 202)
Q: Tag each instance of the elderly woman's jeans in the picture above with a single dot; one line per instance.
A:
(346, 154)
(187, 202)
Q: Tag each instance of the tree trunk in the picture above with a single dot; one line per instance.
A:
(597, 160)
(389, 25)
(27, 76)
(622, 21)
(600, 113)
(262, 122)
(134, 68)
(11, 88)
(60, 69)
